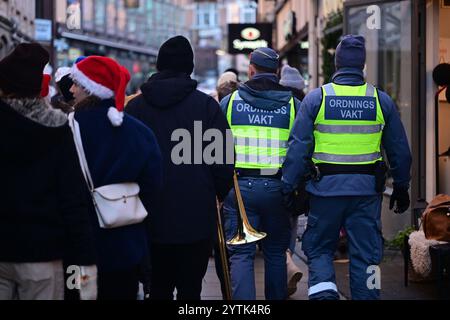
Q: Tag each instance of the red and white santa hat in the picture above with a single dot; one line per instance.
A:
(104, 78)
(45, 86)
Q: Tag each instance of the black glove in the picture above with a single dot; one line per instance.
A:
(288, 201)
(297, 201)
(401, 196)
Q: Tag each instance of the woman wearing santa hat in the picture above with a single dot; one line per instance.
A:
(118, 149)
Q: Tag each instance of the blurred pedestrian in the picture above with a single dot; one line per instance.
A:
(226, 85)
(293, 80)
(118, 149)
(44, 215)
(184, 214)
(233, 70)
(64, 99)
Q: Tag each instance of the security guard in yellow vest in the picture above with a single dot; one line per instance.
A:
(261, 115)
(340, 129)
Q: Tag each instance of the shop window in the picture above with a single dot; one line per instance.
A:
(389, 51)
(111, 17)
(88, 14)
(100, 13)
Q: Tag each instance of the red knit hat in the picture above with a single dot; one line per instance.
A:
(103, 77)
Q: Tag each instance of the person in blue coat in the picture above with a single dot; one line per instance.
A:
(344, 194)
(118, 149)
(260, 105)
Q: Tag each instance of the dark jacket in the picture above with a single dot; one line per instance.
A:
(43, 211)
(301, 146)
(186, 208)
(128, 153)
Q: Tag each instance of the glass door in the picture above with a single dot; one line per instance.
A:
(395, 63)
(389, 50)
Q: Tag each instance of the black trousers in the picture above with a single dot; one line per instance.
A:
(119, 285)
(180, 266)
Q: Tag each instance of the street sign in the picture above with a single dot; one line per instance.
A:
(43, 30)
(246, 37)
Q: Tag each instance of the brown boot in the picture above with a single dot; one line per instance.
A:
(294, 274)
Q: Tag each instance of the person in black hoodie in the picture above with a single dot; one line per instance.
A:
(43, 216)
(183, 223)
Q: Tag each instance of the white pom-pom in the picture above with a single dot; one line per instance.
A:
(115, 117)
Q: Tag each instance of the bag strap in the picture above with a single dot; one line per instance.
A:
(441, 205)
(80, 150)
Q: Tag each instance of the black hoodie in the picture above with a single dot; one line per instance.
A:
(43, 211)
(186, 210)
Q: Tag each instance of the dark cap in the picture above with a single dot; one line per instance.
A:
(176, 55)
(265, 58)
(21, 72)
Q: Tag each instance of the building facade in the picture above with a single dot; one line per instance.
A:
(129, 31)
(209, 35)
(16, 23)
(206, 18)
(405, 41)
(293, 22)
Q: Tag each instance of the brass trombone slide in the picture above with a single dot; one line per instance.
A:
(223, 257)
(245, 232)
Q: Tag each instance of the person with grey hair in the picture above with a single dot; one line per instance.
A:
(293, 80)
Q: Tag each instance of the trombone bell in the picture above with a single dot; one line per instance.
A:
(247, 236)
(245, 233)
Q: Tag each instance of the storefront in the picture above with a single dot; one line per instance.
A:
(438, 51)
(405, 41)
(10, 36)
(291, 34)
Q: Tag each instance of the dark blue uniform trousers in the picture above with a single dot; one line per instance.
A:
(265, 210)
(361, 218)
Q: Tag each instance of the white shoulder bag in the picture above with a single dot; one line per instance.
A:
(116, 205)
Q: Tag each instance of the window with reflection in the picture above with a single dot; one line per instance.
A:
(389, 51)
(100, 12)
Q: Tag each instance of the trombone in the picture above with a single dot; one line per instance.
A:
(223, 257)
(245, 232)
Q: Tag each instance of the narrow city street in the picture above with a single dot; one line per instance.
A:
(135, 132)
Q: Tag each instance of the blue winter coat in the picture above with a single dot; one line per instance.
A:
(301, 146)
(129, 153)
